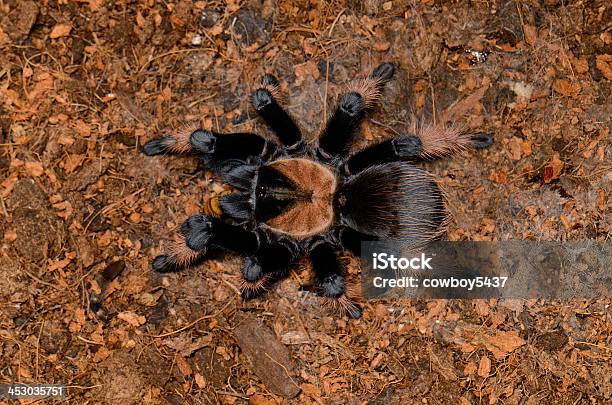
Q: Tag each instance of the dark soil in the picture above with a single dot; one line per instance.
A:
(83, 84)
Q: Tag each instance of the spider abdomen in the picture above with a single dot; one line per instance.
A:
(393, 201)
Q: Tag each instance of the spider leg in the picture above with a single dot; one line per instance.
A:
(201, 231)
(212, 146)
(197, 234)
(329, 278)
(271, 264)
(440, 140)
(428, 145)
(179, 257)
(275, 116)
(344, 122)
(351, 239)
(397, 149)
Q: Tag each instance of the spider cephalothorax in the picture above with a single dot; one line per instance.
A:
(295, 200)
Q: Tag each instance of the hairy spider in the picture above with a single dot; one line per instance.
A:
(294, 199)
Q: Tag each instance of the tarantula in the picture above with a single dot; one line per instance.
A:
(294, 199)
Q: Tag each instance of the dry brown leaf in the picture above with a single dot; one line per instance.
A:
(307, 69)
(9, 184)
(459, 108)
(186, 346)
(553, 169)
(602, 199)
(381, 44)
(148, 299)
(515, 148)
(526, 147)
(24, 371)
(101, 354)
(82, 128)
(60, 30)
(498, 176)
(484, 367)
(72, 162)
(95, 4)
(34, 169)
(135, 217)
(45, 82)
(132, 318)
(504, 343)
(566, 88)
(60, 263)
(183, 366)
(531, 34)
(311, 391)
(216, 30)
(65, 140)
(105, 239)
(604, 64)
(259, 399)
(199, 380)
(10, 235)
(140, 20)
(470, 368)
(580, 65)
(233, 5)
(64, 209)
(295, 337)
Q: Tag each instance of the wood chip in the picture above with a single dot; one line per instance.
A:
(60, 30)
(269, 358)
(484, 367)
(132, 318)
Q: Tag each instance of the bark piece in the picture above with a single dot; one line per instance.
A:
(269, 358)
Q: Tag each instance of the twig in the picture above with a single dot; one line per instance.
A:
(593, 344)
(89, 341)
(41, 281)
(284, 368)
(42, 325)
(231, 394)
(232, 286)
(176, 51)
(191, 324)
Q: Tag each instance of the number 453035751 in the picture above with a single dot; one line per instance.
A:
(32, 391)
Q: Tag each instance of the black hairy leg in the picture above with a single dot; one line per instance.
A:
(179, 257)
(411, 148)
(351, 239)
(197, 234)
(212, 146)
(266, 105)
(202, 231)
(329, 281)
(216, 149)
(407, 148)
(271, 264)
(480, 140)
(344, 122)
(175, 143)
(342, 126)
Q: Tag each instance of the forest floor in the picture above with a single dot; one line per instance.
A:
(84, 83)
